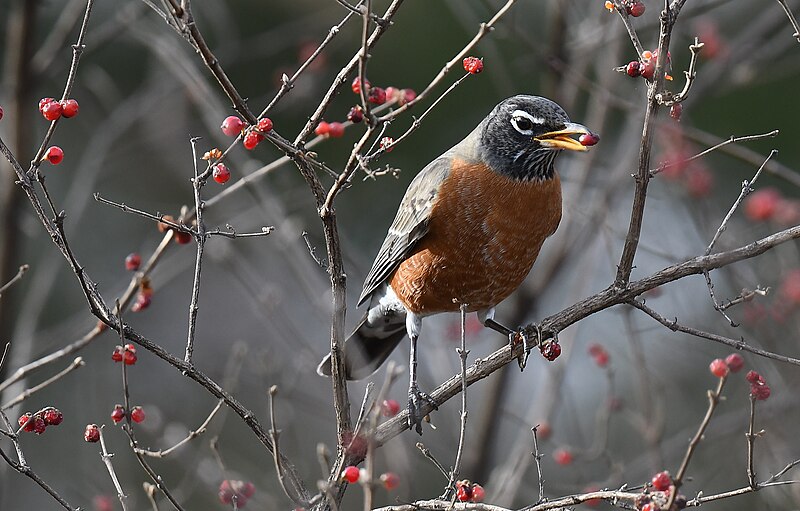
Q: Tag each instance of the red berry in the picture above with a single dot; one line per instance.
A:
(390, 480)
(118, 414)
(351, 474)
(636, 9)
(377, 96)
(463, 491)
(51, 111)
(53, 416)
(392, 94)
(182, 238)
(225, 492)
(648, 69)
(355, 115)
(753, 378)
(562, 456)
(232, 126)
(336, 129)
(718, 368)
(322, 128)
(130, 347)
(699, 182)
(221, 173)
(406, 96)
(675, 111)
(650, 506)
(39, 425)
(92, 433)
(137, 414)
(252, 139)
(550, 350)
(248, 489)
(543, 431)
(386, 144)
(761, 204)
(1, 112)
(116, 356)
(129, 357)
(589, 139)
(662, 481)
(133, 261)
(473, 65)
(478, 493)
(634, 68)
(25, 422)
(790, 288)
(356, 85)
(54, 155)
(599, 354)
(69, 108)
(264, 125)
(735, 362)
(390, 408)
(760, 392)
(44, 102)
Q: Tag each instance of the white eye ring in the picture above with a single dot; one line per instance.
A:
(524, 122)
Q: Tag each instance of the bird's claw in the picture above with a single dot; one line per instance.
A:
(416, 400)
(522, 335)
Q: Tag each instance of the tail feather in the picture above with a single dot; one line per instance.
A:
(368, 346)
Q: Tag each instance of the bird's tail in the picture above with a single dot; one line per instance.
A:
(368, 346)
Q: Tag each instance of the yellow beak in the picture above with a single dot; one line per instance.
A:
(562, 139)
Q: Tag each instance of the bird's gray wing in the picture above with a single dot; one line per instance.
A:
(410, 224)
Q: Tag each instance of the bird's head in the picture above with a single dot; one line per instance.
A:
(523, 135)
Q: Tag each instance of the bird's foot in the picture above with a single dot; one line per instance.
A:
(529, 336)
(416, 400)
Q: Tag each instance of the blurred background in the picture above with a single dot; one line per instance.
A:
(265, 303)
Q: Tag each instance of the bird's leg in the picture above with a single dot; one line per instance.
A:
(415, 396)
(489, 322)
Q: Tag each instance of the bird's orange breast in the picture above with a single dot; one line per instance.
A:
(484, 235)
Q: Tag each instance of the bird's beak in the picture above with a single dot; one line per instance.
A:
(562, 139)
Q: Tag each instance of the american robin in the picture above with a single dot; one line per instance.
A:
(467, 232)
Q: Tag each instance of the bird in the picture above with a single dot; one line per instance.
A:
(467, 233)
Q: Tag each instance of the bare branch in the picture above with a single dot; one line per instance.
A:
(15, 279)
(25, 394)
(792, 19)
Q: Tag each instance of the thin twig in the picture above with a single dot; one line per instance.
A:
(428, 454)
(25, 394)
(15, 279)
(163, 453)
(690, 74)
(106, 457)
(733, 343)
(275, 433)
(731, 140)
(537, 458)
(751, 440)
(200, 240)
(463, 352)
(792, 19)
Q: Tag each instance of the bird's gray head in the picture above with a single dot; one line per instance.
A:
(523, 135)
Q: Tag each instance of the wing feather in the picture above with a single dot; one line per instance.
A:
(410, 224)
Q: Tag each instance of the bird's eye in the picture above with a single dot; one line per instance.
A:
(524, 122)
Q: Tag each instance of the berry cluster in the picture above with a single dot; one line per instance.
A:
(633, 8)
(236, 492)
(758, 386)
(645, 66)
(180, 237)
(52, 109)
(126, 354)
(467, 491)
(353, 474)
(232, 126)
(720, 368)
(136, 414)
(38, 422)
(769, 204)
(599, 354)
(473, 65)
(550, 350)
